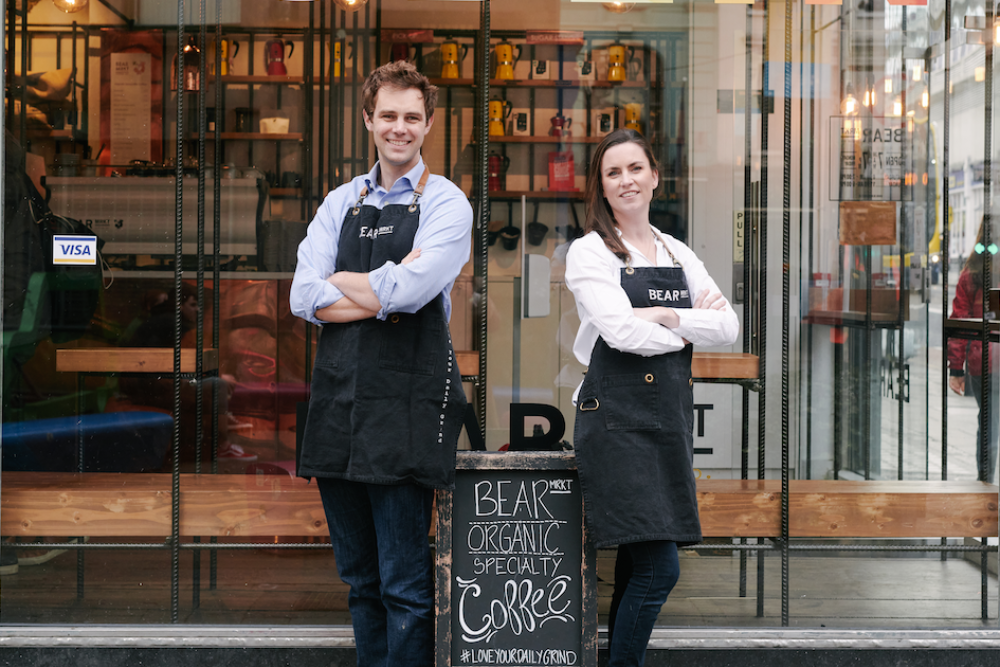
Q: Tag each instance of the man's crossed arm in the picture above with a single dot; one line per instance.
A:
(359, 301)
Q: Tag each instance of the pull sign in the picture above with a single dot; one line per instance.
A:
(74, 250)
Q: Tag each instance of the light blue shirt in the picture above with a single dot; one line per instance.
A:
(444, 238)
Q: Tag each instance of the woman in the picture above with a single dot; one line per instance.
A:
(643, 298)
(967, 356)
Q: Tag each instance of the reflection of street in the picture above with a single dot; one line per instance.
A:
(922, 452)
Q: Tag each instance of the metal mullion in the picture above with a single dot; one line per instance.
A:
(178, 260)
(785, 306)
(761, 324)
(985, 407)
(747, 292)
(200, 289)
(320, 134)
(213, 557)
(903, 269)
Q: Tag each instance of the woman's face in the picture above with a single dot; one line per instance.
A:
(627, 179)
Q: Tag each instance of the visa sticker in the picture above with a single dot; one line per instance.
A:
(74, 250)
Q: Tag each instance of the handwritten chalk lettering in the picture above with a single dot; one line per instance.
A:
(495, 500)
(516, 566)
(513, 537)
(519, 656)
(524, 608)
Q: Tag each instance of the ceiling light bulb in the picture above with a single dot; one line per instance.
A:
(619, 7)
(350, 5)
(71, 6)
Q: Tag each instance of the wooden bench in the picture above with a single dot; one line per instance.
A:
(253, 506)
(704, 365)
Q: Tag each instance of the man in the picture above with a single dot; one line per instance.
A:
(386, 407)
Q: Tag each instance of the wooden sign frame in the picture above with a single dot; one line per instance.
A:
(512, 461)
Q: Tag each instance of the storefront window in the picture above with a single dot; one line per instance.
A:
(831, 166)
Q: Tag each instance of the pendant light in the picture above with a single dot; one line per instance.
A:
(350, 5)
(71, 6)
(617, 7)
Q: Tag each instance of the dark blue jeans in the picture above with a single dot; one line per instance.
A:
(379, 536)
(988, 471)
(645, 573)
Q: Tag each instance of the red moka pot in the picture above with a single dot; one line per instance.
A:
(274, 56)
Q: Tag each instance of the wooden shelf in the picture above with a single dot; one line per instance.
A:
(57, 135)
(252, 136)
(286, 193)
(131, 360)
(260, 78)
(576, 195)
(510, 139)
(545, 83)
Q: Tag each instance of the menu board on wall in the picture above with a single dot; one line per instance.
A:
(131, 96)
(872, 159)
(131, 84)
(517, 589)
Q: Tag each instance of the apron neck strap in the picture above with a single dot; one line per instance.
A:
(417, 192)
(666, 247)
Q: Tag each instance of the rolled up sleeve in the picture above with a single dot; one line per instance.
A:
(444, 238)
(317, 259)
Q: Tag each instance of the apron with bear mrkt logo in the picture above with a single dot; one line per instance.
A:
(634, 426)
(387, 403)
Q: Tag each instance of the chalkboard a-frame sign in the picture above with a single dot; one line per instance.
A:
(516, 579)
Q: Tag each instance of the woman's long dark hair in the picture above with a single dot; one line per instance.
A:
(600, 218)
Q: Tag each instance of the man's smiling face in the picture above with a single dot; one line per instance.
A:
(399, 125)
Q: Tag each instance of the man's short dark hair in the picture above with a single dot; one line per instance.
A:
(398, 75)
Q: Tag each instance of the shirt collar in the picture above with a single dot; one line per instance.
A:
(412, 177)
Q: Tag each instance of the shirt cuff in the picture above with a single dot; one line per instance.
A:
(381, 283)
(329, 295)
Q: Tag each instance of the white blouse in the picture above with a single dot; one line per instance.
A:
(593, 274)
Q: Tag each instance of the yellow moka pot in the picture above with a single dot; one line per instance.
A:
(499, 111)
(450, 59)
(229, 49)
(617, 70)
(633, 114)
(506, 59)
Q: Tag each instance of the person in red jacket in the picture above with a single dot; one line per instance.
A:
(965, 356)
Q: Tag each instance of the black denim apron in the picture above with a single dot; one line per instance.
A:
(387, 403)
(633, 434)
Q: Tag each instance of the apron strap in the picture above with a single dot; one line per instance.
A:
(666, 247)
(361, 200)
(417, 192)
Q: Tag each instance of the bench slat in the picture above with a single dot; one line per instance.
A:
(138, 504)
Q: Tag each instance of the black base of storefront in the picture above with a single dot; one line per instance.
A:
(170, 646)
(278, 657)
